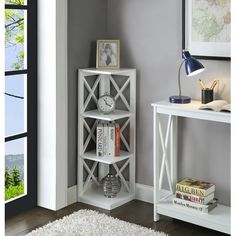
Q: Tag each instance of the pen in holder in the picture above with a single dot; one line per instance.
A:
(207, 95)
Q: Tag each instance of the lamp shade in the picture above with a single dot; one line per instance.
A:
(192, 66)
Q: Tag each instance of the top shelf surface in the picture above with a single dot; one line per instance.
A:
(191, 110)
(107, 72)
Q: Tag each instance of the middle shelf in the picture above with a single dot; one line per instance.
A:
(91, 155)
(117, 114)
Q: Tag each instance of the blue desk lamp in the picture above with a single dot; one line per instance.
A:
(192, 67)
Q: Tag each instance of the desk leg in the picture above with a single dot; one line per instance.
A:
(173, 151)
(156, 161)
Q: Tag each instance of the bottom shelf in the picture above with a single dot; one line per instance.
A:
(218, 219)
(94, 196)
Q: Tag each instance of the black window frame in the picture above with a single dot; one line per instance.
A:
(30, 200)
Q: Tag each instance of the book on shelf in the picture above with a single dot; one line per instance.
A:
(217, 105)
(111, 139)
(195, 187)
(194, 198)
(117, 139)
(99, 140)
(105, 139)
(205, 208)
(108, 139)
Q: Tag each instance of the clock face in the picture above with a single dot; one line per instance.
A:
(106, 104)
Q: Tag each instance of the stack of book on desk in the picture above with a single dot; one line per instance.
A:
(195, 194)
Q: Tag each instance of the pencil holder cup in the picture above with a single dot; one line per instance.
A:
(207, 95)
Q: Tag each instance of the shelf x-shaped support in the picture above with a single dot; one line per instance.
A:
(90, 133)
(120, 91)
(90, 175)
(91, 92)
(119, 173)
(122, 136)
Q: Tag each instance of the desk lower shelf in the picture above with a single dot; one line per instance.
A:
(218, 219)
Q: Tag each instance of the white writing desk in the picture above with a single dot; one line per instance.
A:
(219, 218)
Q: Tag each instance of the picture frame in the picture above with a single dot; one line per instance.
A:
(212, 41)
(108, 54)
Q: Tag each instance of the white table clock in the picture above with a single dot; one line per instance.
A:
(106, 104)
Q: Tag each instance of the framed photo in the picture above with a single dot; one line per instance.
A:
(108, 54)
(206, 28)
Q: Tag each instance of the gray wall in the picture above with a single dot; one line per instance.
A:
(86, 23)
(150, 35)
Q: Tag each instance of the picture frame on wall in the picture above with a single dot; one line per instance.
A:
(108, 54)
(206, 28)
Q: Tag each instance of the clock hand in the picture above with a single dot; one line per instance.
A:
(107, 103)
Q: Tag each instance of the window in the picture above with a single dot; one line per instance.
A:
(20, 104)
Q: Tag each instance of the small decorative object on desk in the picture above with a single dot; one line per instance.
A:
(111, 185)
(207, 95)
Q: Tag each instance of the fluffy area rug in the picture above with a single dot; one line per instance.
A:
(92, 223)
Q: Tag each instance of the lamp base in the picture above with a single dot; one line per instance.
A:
(179, 99)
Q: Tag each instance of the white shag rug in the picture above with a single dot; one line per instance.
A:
(92, 223)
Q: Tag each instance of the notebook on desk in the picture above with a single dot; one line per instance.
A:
(217, 105)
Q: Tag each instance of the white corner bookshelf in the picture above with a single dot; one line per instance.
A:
(121, 84)
(165, 164)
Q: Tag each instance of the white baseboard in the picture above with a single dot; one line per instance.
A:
(143, 193)
(72, 195)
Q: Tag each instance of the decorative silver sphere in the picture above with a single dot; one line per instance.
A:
(111, 185)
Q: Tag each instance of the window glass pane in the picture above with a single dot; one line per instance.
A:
(15, 39)
(15, 104)
(16, 2)
(15, 168)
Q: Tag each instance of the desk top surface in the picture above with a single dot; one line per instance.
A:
(191, 110)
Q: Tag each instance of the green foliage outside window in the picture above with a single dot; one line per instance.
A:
(16, 2)
(14, 31)
(14, 191)
(14, 186)
(7, 178)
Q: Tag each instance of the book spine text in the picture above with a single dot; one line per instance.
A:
(194, 198)
(105, 140)
(111, 136)
(191, 190)
(99, 145)
(191, 205)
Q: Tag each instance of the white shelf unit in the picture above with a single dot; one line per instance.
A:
(121, 84)
(217, 219)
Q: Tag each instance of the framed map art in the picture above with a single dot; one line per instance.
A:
(206, 28)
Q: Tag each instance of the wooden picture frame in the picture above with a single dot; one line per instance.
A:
(108, 54)
(212, 41)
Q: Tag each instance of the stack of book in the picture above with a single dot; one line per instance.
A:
(195, 194)
(108, 139)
